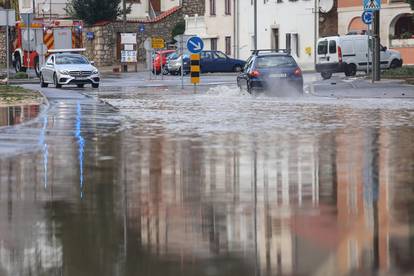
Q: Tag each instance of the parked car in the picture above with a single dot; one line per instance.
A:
(156, 63)
(67, 68)
(216, 61)
(349, 54)
(271, 70)
(174, 65)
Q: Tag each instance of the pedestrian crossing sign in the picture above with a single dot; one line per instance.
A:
(372, 5)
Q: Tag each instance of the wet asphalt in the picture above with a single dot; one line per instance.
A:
(143, 178)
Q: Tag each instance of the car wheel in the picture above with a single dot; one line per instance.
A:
(237, 68)
(55, 82)
(165, 71)
(80, 85)
(42, 82)
(350, 70)
(395, 63)
(37, 67)
(18, 64)
(326, 75)
(95, 85)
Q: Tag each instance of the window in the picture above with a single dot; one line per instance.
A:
(227, 7)
(220, 55)
(332, 47)
(214, 44)
(228, 45)
(212, 7)
(323, 47)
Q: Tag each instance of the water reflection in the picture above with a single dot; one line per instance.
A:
(12, 115)
(81, 144)
(334, 202)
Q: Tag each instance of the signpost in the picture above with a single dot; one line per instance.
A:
(181, 39)
(367, 17)
(129, 52)
(7, 19)
(159, 43)
(374, 6)
(195, 45)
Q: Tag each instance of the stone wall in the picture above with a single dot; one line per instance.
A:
(3, 46)
(101, 48)
(104, 48)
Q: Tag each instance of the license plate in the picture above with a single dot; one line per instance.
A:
(80, 78)
(278, 75)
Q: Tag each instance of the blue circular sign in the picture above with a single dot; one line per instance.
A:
(367, 17)
(195, 44)
(141, 28)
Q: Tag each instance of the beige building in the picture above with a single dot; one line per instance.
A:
(217, 27)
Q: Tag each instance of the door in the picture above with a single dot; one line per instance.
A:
(156, 5)
(62, 38)
(206, 61)
(48, 70)
(385, 56)
(221, 63)
(275, 39)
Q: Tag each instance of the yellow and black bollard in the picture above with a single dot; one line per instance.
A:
(195, 70)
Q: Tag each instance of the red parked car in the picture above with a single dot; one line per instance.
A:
(156, 63)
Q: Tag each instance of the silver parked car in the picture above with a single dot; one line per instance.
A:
(67, 68)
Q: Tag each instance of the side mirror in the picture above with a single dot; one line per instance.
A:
(385, 49)
(93, 63)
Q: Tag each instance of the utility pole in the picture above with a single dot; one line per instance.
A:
(255, 25)
(124, 27)
(376, 56)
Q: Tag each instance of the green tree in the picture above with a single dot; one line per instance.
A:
(92, 11)
(178, 29)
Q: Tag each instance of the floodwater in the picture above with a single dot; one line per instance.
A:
(217, 183)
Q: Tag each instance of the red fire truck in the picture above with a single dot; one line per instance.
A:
(54, 34)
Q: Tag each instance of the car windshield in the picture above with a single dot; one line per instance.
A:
(275, 61)
(71, 59)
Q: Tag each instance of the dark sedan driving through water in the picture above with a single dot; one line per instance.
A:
(274, 71)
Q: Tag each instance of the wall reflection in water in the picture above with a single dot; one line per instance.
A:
(12, 115)
(285, 204)
(332, 203)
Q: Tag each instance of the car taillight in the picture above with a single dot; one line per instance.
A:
(297, 72)
(254, 74)
(339, 54)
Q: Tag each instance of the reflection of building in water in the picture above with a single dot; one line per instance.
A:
(17, 114)
(189, 200)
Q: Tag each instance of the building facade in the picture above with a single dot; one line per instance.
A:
(397, 25)
(228, 26)
(217, 26)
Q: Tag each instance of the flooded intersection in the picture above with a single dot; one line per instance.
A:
(217, 183)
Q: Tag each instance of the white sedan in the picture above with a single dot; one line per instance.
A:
(66, 69)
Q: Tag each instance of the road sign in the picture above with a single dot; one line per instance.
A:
(128, 38)
(7, 18)
(372, 5)
(141, 28)
(367, 17)
(128, 56)
(195, 45)
(158, 43)
(195, 68)
(90, 35)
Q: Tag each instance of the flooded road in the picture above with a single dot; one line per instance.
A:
(217, 183)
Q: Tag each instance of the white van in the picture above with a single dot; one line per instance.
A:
(349, 54)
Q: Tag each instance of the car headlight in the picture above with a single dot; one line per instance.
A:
(95, 72)
(64, 72)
